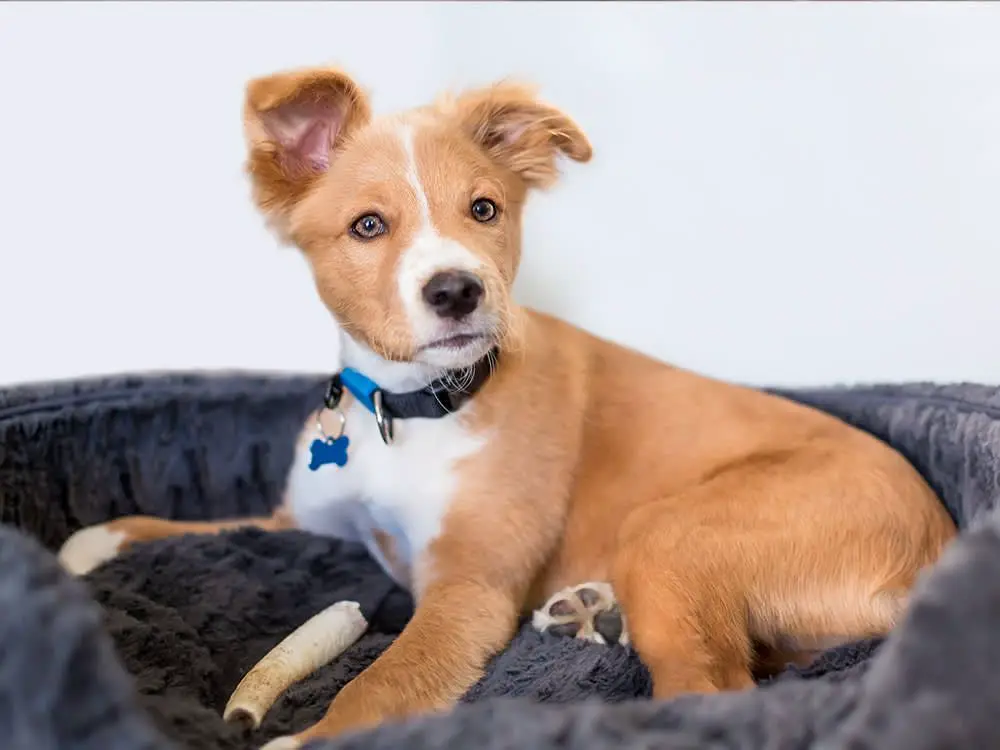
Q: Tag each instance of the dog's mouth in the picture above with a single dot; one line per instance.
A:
(454, 343)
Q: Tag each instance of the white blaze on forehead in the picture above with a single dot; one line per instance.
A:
(428, 253)
(413, 175)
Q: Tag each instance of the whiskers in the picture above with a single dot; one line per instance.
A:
(456, 381)
(491, 361)
(453, 381)
(387, 335)
(507, 329)
(462, 379)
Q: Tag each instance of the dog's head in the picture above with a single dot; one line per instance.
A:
(411, 222)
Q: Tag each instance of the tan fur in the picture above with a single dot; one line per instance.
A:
(730, 522)
(138, 529)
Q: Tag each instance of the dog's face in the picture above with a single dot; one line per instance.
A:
(411, 222)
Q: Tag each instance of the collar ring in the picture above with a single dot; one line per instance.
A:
(382, 419)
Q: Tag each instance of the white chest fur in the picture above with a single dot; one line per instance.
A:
(403, 489)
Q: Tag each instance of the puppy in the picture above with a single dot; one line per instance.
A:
(494, 458)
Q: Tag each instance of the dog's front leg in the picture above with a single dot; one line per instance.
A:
(475, 579)
(457, 627)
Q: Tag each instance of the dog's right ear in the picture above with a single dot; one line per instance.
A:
(294, 122)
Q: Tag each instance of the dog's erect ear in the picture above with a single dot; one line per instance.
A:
(521, 132)
(293, 123)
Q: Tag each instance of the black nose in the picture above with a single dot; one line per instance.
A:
(453, 294)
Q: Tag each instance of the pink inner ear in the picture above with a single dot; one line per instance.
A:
(306, 131)
(314, 145)
(512, 132)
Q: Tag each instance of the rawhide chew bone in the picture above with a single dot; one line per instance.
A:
(317, 642)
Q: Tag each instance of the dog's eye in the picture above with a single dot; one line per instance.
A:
(368, 227)
(483, 209)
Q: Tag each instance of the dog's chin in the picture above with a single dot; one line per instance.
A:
(454, 351)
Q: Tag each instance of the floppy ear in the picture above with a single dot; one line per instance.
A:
(521, 132)
(294, 122)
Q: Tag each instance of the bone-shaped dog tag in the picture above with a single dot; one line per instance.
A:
(328, 451)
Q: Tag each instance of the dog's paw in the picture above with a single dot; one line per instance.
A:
(588, 611)
(90, 547)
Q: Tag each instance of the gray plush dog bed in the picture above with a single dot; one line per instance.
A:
(143, 653)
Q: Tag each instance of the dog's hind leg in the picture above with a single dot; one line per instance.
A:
(685, 620)
(796, 551)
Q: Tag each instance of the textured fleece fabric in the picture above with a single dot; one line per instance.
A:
(143, 653)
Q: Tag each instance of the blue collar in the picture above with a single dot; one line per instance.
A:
(438, 399)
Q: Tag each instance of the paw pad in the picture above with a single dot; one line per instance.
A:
(588, 611)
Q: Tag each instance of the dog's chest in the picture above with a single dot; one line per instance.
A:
(392, 498)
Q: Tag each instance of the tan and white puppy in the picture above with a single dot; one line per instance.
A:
(732, 526)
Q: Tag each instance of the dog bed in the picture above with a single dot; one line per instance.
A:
(144, 652)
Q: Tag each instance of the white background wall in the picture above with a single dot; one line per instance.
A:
(783, 193)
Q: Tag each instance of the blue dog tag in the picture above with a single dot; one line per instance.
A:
(328, 451)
